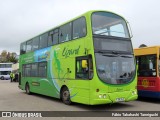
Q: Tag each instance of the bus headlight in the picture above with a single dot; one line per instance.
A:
(100, 96)
(134, 92)
(104, 96)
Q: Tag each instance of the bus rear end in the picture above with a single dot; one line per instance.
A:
(148, 71)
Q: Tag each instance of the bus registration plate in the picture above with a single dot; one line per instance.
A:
(120, 99)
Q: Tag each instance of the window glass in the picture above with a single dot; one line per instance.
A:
(53, 37)
(118, 27)
(35, 43)
(8, 65)
(146, 65)
(2, 65)
(50, 38)
(29, 46)
(34, 70)
(23, 71)
(79, 66)
(115, 69)
(27, 70)
(42, 69)
(23, 48)
(81, 73)
(5, 72)
(79, 28)
(43, 40)
(109, 24)
(65, 32)
(90, 67)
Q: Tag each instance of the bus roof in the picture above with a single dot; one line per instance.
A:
(84, 14)
(146, 50)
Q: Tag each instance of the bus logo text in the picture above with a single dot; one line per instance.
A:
(67, 52)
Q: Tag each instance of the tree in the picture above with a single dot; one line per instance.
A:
(142, 45)
(8, 57)
(3, 56)
(13, 59)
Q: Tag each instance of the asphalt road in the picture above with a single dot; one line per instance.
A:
(14, 99)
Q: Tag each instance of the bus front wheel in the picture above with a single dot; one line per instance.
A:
(66, 96)
(2, 78)
(27, 88)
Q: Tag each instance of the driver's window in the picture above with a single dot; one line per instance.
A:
(84, 67)
(81, 72)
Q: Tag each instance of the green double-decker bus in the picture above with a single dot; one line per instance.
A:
(87, 60)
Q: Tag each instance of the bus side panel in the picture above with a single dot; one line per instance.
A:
(64, 68)
(149, 87)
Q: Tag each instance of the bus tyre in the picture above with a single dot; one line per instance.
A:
(27, 88)
(66, 96)
(2, 78)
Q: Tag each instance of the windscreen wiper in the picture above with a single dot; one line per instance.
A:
(114, 52)
(110, 55)
(106, 51)
(120, 53)
(126, 56)
(101, 51)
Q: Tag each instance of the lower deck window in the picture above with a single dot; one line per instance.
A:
(42, 69)
(35, 70)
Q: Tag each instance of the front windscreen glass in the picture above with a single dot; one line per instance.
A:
(109, 24)
(115, 68)
(113, 48)
(146, 65)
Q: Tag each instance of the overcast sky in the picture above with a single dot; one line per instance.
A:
(23, 19)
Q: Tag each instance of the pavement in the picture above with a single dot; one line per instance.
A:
(14, 99)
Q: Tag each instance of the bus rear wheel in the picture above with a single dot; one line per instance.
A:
(66, 96)
(27, 88)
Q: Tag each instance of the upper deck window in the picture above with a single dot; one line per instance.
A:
(29, 46)
(8, 65)
(53, 37)
(79, 28)
(109, 24)
(70, 31)
(23, 48)
(43, 40)
(65, 32)
(5, 65)
(35, 43)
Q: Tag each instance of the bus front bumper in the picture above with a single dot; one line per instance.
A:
(115, 97)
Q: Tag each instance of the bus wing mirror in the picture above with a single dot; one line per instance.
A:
(84, 63)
